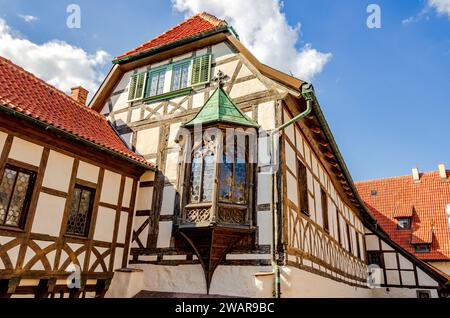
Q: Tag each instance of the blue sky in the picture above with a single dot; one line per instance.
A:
(385, 92)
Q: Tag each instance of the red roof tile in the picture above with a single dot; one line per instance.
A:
(197, 24)
(402, 211)
(429, 197)
(31, 96)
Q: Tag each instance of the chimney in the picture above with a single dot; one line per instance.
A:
(80, 94)
(442, 171)
(415, 174)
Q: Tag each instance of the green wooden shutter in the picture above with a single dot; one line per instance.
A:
(132, 91)
(201, 70)
(137, 84)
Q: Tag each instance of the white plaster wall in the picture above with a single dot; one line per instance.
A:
(3, 137)
(400, 292)
(127, 192)
(266, 115)
(144, 199)
(104, 227)
(221, 51)
(87, 172)
(57, 175)
(247, 88)
(168, 201)
(25, 151)
(297, 283)
(443, 266)
(164, 234)
(227, 280)
(49, 214)
(121, 235)
(110, 187)
(147, 141)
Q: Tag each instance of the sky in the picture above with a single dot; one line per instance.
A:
(385, 91)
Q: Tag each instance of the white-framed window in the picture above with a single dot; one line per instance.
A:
(180, 76)
(404, 223)
(155, 85)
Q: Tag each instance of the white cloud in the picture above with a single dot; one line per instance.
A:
(441, 6)
(56, 62)
(265, 31)
(28, 18)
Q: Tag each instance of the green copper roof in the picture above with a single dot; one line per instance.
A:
(220, 108)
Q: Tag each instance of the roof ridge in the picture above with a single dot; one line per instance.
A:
(398, 177)
(212, 18)
(58, 91)
(204, 15)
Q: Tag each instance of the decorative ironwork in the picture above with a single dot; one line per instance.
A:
(232, 215)
(198, 215)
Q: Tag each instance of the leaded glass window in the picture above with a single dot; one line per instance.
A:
(233, 173)
(203, 173)
(80, 211)
(180, 76)
(15, 193)
(155, 84)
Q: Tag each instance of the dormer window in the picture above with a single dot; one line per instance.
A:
(447, 213)
(422, 248)
(404, 223)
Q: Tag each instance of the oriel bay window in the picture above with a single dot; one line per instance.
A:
(15, 193)
(221, 171)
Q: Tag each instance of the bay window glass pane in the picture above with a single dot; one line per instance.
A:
(71, 221)
(196, 176)
(239, 181)
(226, 173)
(208, 176)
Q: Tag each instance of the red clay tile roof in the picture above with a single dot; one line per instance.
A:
(403, 211)
(429, 197)
(197, 24)
(25, 93)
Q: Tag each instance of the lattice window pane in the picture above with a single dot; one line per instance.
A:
(80, 209)
(208, 176)
(18, 199)
(6, 189)
(196, 176)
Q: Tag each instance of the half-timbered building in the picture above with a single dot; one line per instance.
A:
(67, 191)
(279, 216)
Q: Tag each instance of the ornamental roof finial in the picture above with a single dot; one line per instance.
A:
(220, 78)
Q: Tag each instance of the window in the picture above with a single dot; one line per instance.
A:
(201, 70)
(349, 238)
(15, 193)
(404, 224)
(423, 294)
(324, 199)
(375, 258)
(422, 248)
(155, 85)
(137, 84)
(358, 246)
(338, 221)
(80, 211)
(302, 187)
(202, 175)
(180, 76)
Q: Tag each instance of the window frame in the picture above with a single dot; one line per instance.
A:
(187, 62)
(302, 187)
(324, 203)
(150, 72)
(89, 213)
(423, 292)
(349, 238)
(409, 219)
(28, 195)
(380, 257)
(427, 250)
(142, 96)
